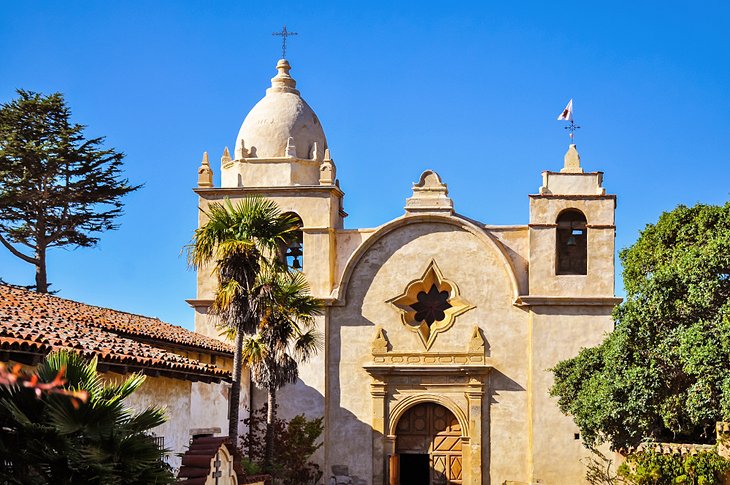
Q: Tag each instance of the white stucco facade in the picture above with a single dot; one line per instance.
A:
(506, 314)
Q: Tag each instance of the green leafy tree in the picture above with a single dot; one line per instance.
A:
(662, 374)
(56, 438)
(239, 242)
(57, 188)
(286, 336)
(295, 441)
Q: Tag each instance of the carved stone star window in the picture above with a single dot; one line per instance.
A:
(430, 304)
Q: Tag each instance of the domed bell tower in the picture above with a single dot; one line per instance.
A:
(281, 153)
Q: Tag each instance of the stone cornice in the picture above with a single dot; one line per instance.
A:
(572, 196)
(207, 302)
(466, 369)
(199, 302)
(543, 300)
(237, 191)
(539, 225)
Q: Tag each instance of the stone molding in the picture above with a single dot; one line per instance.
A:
(546, 300)
(483, 235)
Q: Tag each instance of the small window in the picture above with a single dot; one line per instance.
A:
(571, 242)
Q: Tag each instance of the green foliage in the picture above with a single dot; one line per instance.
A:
(285, 337)
(54, 439)
(662, 374)
(286, 333)
(295, 442)
(651, 468)
(57, 188)
(240, 242)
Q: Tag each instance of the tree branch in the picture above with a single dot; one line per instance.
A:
(17, 253)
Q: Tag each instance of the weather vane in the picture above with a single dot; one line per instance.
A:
(284, 34)
(567, 115)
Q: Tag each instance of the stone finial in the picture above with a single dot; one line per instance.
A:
(477, 344)
(430, 195)
(283, 82)
(241, 151)
(380, 343)
(327, 172)
(291, 150)
(205, 173)
(572, 161)
(314, 152)
(226, 158)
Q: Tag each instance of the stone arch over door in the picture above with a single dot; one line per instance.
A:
(428, 447)
(396, 389)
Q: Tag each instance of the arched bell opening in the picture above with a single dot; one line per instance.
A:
(571, 243)
(428, 447)
(292, 251)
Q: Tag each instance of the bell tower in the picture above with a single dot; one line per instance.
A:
(569, 299)
(281, 153)
(572, 231)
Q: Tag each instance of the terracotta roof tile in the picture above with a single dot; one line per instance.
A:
(16, 302)
(36, 323)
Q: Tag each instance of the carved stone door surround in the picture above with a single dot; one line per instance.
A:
(454, 380)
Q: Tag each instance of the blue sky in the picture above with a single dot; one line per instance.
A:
(469, 89)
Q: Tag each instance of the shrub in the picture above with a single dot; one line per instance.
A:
(652, 468)
(295, 441)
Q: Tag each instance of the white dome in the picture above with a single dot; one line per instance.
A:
(281, 119)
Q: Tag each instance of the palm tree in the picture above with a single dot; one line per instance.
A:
(240, 241)
(54, 438)
(286, 335)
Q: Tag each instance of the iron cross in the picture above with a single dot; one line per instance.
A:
(284, 34)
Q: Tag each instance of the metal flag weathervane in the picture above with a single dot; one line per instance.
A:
(567, 115)
(284, 34)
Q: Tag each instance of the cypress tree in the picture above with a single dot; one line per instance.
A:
(57, 187)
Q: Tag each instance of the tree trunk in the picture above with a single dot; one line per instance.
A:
(270, 416)
(41, 279)
(234, 402)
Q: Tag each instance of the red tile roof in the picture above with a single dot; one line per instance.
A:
(37, 323)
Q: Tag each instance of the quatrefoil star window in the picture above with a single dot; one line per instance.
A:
(430, 304)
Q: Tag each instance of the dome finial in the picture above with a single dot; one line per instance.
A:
(283, 82)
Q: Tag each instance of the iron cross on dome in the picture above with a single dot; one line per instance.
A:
(284, 34)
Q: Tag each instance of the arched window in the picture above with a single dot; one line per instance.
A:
(294, 249)
(571, 243)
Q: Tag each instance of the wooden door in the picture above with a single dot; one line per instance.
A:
(433, 429)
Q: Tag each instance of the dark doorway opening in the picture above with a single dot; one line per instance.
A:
(414, 469)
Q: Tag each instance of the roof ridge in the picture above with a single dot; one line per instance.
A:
(50, 295)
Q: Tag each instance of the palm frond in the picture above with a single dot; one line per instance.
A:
(308, 344)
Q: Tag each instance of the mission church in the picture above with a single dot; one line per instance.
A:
(439, 330)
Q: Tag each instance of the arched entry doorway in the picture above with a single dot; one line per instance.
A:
(428, 447)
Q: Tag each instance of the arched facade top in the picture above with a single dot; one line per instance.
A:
(481, 234)
(401, 407)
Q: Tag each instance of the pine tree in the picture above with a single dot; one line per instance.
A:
(57, 188)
